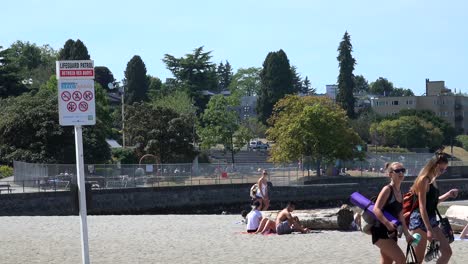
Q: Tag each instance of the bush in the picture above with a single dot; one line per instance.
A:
(381, 149)
(5, 171)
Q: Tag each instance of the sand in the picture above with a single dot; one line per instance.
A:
(179, 239)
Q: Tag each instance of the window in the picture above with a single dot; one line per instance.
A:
(394, 102)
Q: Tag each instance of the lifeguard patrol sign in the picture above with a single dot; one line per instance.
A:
(77, 108)
(76, 93)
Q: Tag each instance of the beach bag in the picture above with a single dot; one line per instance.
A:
(446, 227)
(410, 255)
(432, 252)
(253, 191)
(410, 203)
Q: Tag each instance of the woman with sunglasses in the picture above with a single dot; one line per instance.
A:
(423, 220)
(384, 233)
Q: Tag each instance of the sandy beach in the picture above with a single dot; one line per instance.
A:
(179, 239)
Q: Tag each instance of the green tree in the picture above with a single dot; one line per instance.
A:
(220, 125)
(246, 82)
(156, 89)
(276, 82)
(74, 50)
(194, 73)
(178, 101)
(361, 85)
(311, 126)
(224, 75)
(345, 96)
(31, 132)
(297, 80)
(401, 92)
(307, 87)
(10, 82)
(160, 132)
(103, 76)
(136, 81)
(408, 132)
(463, 140)
(382, 87)
(256, 128)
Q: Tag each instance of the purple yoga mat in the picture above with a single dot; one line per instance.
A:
(361, 201)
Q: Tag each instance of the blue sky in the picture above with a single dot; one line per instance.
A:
(405, 41)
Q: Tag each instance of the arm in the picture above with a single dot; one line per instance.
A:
(453, 193)
(379, 204)
(409, 237)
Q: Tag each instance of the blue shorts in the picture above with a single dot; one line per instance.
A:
(417, 222)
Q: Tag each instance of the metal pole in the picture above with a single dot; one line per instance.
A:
(123, 118)
(82, 193)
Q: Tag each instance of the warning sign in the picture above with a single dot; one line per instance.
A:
(81, 69)
(76, 102)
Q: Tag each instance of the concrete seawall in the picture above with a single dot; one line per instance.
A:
(204, 199)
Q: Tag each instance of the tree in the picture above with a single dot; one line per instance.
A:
(307, 88)
(74, 50)
(311, 126)
(401, 92)
(381, 86)
(194, 73)
(136, 81)
(10, 82)
(346, 62)
(159, 131)
(31, 132)
(256, 128)
(246, 82)
(408, 132)
(178, 101)
(297, 80)
(276, 82)
(103, 76)
(224, 75)
(220, 125)
(361, 86)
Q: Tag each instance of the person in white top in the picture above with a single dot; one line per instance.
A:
(262, 191)
(254, 218)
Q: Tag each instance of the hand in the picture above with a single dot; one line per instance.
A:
(431, 235)
(453, 193)
(409, 238)
(391, 227)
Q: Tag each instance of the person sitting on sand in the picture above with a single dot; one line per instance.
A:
(286, 223)
(266, 226)
(254, 218)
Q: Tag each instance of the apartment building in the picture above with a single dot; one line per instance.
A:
(451, 107)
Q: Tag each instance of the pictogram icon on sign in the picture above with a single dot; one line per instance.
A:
(71, 107)
(83, 106)
(88, 96)
(65, 96)
(77, 96)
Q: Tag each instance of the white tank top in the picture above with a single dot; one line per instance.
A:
(264, 188)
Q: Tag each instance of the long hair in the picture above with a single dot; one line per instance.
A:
(429, 171)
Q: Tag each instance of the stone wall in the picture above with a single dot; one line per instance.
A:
(209, 199)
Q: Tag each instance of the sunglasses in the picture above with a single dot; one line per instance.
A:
(402, 170)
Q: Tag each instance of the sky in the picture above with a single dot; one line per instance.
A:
(405, 41)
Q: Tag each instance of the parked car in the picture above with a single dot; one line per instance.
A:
(257, 144)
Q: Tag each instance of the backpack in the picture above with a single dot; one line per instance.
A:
(410, 203)
(367, 219)
(253, 191)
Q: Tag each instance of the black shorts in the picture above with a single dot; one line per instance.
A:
(381, 232)
(252, 231)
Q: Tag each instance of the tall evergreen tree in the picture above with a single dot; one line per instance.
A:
(346, 62)
(307, 87)
(219, 75)
(277, 81)
(74, 50)
(136, 81)
(227, 75)
(297, 82)
(10, 82)
(103, 76)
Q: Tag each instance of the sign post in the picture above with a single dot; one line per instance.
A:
(77, 108)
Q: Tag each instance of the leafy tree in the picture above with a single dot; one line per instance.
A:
(401, 92)
(136, 81)
(276, 82)
(31, 132)
(361, 86)
(445, 127)
(408, 132)
(256, 128)
(194, 73)
(363, 123)
(463, 140)
(155, 88)
(311, 126)
(381, 86)
(159, 131)
(346, 78)
(219, 125)
(74, 50)
(103, 76)
(10, 82)
(246, 82)
(178, 101)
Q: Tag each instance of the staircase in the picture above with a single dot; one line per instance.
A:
(243, 156)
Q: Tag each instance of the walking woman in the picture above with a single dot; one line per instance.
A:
(423, 220)
(262, 191)
(384, 233)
